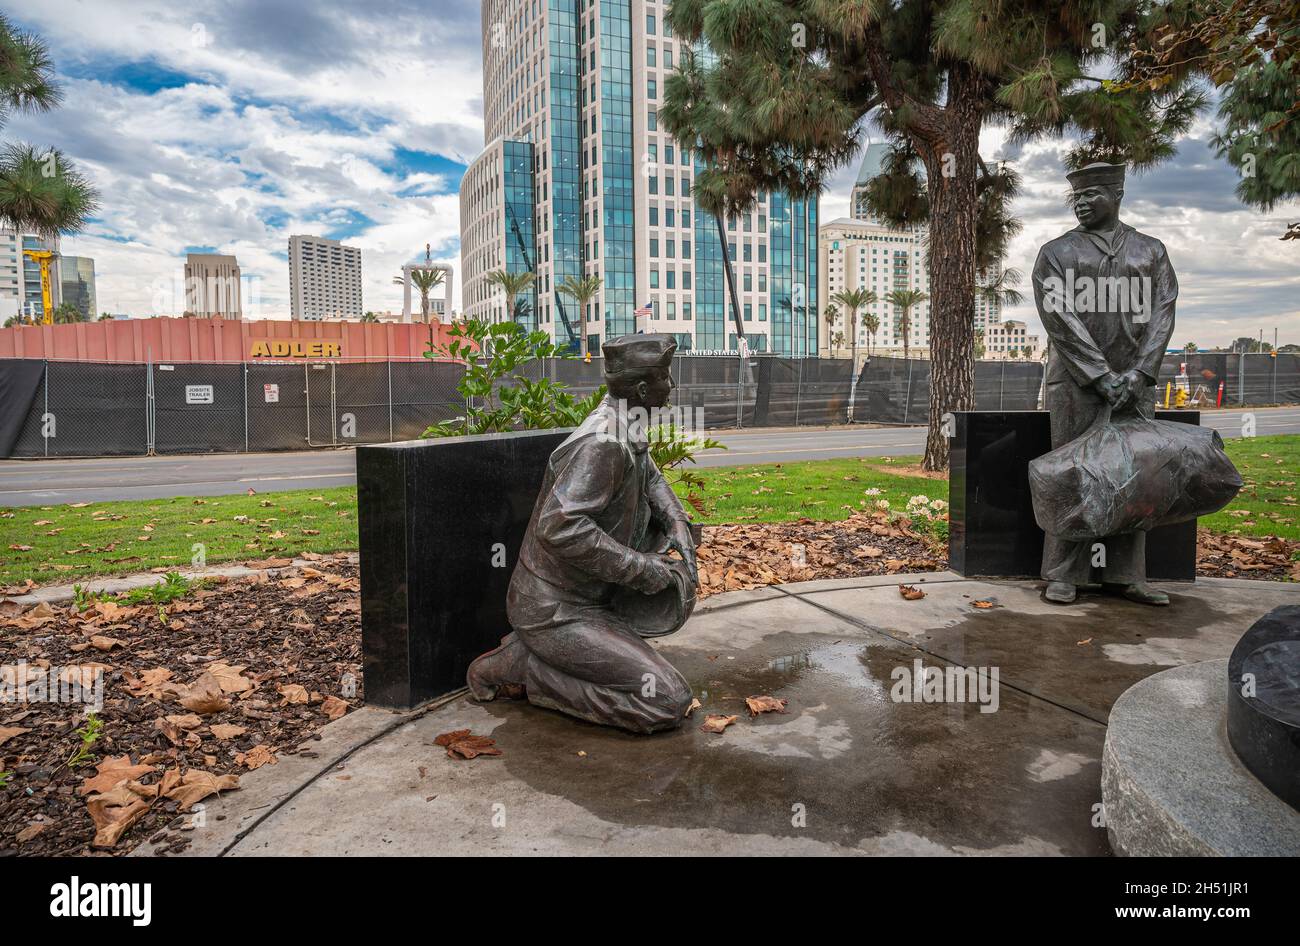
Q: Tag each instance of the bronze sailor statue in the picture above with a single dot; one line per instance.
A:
(1106, 295)
(594, 578)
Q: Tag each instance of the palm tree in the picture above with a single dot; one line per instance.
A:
(870, 322)
(853, 300)
(40, 191)
(370, 317)
(67, 314)
(831, 314)
(1002, 289)
(583, 291)
(512, 284)
(903, 301)
(105, 317)
(425, 280)
(839, 341)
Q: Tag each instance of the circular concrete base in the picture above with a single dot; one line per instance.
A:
(1170, 783)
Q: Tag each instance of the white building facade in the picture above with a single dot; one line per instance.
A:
(20, 277)
(212, 286)
(578, 178)
(324, 279)
(863, 252)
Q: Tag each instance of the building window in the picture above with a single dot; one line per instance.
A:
(650, 24)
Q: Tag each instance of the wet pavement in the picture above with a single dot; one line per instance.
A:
(972, 764)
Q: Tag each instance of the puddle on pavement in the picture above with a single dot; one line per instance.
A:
(861, 765)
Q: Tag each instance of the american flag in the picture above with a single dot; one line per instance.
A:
(641, 317)
(645, 311)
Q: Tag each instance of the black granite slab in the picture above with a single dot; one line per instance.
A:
(992, 531)
(1264, 701)
(441, 523)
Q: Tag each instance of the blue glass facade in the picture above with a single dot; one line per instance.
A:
(793, 277)
(565, 223)
(618, 169)
(517, 186)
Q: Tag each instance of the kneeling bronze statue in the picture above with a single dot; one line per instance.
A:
(594, 577)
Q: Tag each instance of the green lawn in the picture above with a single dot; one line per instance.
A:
(1269, 504)
(816, 489)
(134, 536)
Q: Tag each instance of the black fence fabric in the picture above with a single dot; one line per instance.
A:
(897, 390)
(78, 409)
(22, 383)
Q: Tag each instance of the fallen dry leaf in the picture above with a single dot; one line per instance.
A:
(227, 731)
(187, 721)
(204, 696)
(99, 642)
(983, 605)
(334, 708)
(229, 678)
(10, 732)
(256, 757)
(463, 743)
(292, 693)
(115, 812)
(717, 722)
(911, 592)
(153, 683)
(195, 785)
(29, 832)
(765, 704)
(112, 772)
(695, 704)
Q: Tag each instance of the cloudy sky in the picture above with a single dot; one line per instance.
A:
(227, 126)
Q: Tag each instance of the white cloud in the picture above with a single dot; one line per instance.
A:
(295, 119)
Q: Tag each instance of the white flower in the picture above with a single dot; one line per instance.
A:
(872, 492)
(882, 503)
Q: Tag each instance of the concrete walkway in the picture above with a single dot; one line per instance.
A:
(847, 770)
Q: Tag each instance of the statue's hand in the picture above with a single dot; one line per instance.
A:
(679, 538)
(1110, 386)
(1131, 385)
(657, 576)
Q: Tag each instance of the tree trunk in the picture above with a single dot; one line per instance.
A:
(582, 327)
(731, 279)
(952, 191)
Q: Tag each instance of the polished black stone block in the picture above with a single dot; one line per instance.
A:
(441, 523)
(1264, 701)
(992, 531)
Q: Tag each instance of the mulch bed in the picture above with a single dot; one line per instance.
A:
(284, 649)
(295, 634)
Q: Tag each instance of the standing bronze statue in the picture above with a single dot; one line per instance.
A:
(593, 578)
(1106, 295)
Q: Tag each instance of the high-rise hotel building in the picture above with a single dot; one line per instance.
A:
(578, 177)
(324, 279)
(863, 252)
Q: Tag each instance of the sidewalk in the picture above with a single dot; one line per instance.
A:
(847, 770)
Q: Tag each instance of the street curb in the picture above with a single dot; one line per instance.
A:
(60, 594)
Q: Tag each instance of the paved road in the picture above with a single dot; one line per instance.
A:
(47, 482)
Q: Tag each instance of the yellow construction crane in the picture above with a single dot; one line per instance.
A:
(42, 258)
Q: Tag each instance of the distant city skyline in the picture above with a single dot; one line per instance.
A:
(274, 119)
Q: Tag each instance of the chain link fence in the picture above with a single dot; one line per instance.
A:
(897, 390)
(82, 409)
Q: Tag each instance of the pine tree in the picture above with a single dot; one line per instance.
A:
(774, 95)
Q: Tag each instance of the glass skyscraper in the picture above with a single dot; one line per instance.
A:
(577, 178)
